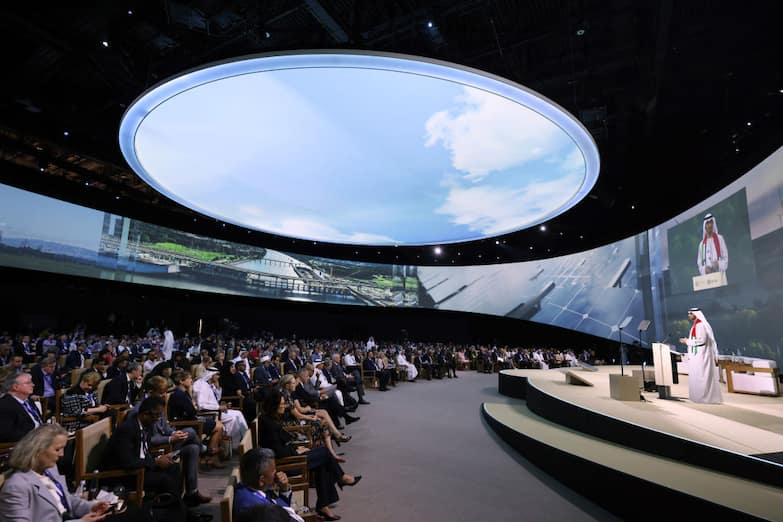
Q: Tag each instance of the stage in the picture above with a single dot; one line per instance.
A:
(723, 457)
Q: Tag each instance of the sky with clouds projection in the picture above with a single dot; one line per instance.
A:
(359, 156)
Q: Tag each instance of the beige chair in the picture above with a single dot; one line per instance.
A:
(90, 444)
(227, 504)
(76, 373)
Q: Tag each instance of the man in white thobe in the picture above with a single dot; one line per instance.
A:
(712, 255)
(703, 371)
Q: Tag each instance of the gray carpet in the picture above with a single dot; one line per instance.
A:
(425, 454)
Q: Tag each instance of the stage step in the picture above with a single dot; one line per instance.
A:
(633, 484)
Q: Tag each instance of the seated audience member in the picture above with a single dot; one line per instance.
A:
(35, 491)
(199, 369)
(76, 358)
(261, 483)
(185, 442)
(347, 382)
(125, 388)
(307, 394)
(370, 365)
(321, 382)
(154, 358)
(262, 375)
(425, 360)
(129, 448)
(321, 425)
(18, 414)
(326, 470)
(182, 408)
(46, 381)
(410, 369)
(238, 383)
(80, 401)
(207, 394)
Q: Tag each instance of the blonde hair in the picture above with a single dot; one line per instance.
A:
(285, 380)
(24, 456)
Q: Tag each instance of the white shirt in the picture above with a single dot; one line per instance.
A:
(53, 491)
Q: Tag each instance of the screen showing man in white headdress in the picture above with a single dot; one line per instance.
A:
(712, 255)
(703, 371)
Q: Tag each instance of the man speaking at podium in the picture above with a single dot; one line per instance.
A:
(703, 385)
(713, 256)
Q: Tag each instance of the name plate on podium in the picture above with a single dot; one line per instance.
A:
(713, 280)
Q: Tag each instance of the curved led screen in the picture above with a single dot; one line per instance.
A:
(729, 268)
(371, 149)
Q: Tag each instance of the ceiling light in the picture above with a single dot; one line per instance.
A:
(438, 250)
(130, 11)
(497, 242)
(580, 32)
(267, 35)
(66, 133)
(429, 24)
(633, 207)
(105, 43)
(542, 228)
(749, 123)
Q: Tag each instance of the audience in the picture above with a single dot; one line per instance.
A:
(312, 394)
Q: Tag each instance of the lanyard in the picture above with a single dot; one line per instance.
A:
(60, 491)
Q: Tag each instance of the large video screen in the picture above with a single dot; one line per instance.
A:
(724, 255)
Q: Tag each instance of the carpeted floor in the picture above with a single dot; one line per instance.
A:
(425, 454)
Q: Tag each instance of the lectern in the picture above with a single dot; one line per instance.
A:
(662, 362)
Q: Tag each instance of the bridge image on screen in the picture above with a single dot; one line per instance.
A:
(593, 291)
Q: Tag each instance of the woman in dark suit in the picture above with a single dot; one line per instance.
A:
(320, 462)
(181, 408)
(36, 491)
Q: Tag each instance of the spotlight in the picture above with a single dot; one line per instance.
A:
(66, 133)
(580, 32)
(267, 35)
(105, 43)
(749, 123)
(438, 251)
(542, 228)
(531, 247)
(497, 242)
(429, 24)
(633, 207)
(130, 11)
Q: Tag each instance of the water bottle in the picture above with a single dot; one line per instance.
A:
(94, 488)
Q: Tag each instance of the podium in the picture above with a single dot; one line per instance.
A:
(662, 362)
(713, 280)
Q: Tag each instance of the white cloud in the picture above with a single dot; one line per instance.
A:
(495, 210)
(574, 162)
(485, 132)
(306, 228)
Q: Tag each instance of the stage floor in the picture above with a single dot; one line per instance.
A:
(744, 424)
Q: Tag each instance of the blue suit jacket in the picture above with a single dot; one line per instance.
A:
(245, 498)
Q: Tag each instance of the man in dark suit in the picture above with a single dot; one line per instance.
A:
(25, 348)
(238, 383)
(46, 381)
(75, 359)
(125, 387)
(186, 441)
(347, 382)
(18, 415)
(129, 448)
(293, 363)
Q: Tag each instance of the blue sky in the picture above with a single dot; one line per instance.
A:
(355, 155)
(27, 215)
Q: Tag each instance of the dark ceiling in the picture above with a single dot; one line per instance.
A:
(681, 97)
